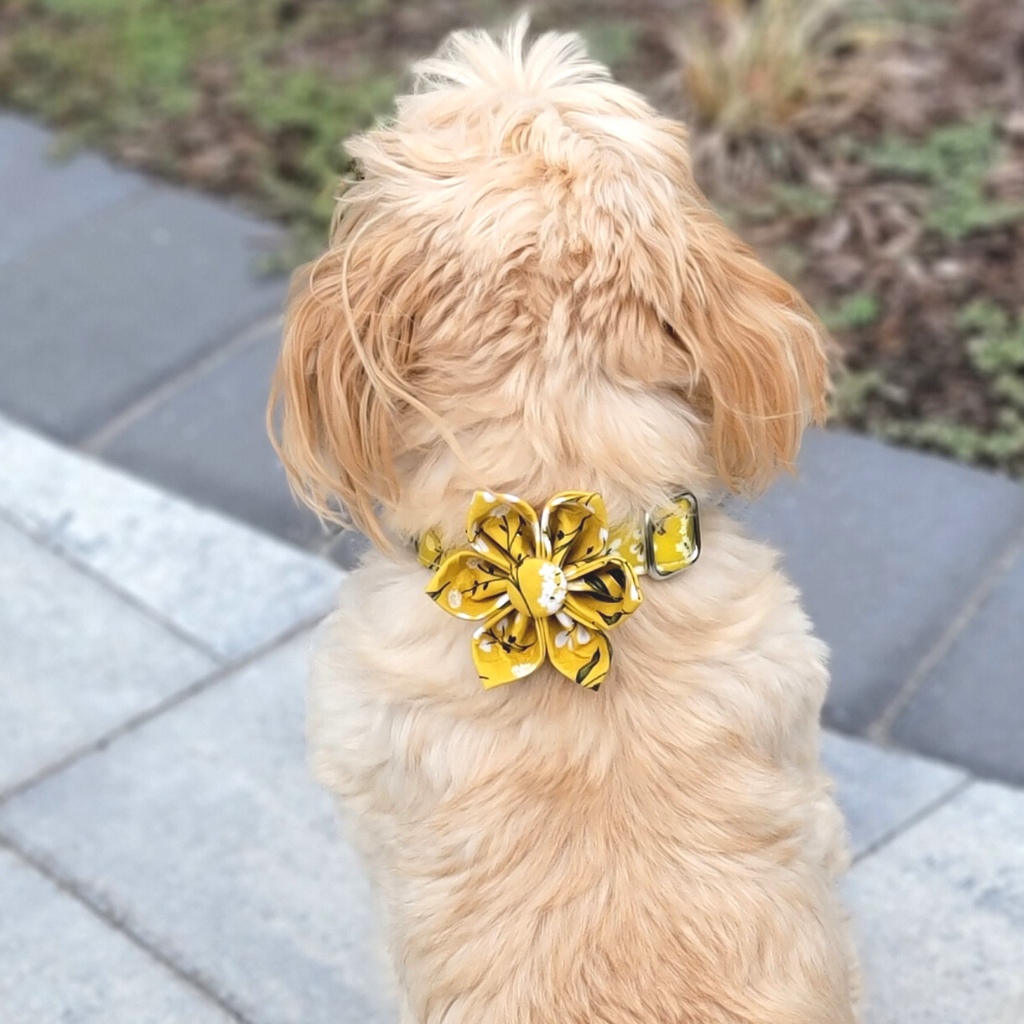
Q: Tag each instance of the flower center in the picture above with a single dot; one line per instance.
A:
(540, 588)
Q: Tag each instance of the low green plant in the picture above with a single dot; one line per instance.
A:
(995, 346)
(968, 444)
(861, 309)
(851, 391)
(929, 13)
(996, 349)
(954, 162)
(1010, 388)
(611, 42)
(802, 200)
(314, 114)
(786, 199)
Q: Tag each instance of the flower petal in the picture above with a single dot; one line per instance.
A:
(468, 586)
(579, 653)
(503, 528)
(508, 646)
(602, 591)
(576, 525)
(627, 541)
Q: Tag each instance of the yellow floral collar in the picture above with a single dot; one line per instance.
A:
(548, 586)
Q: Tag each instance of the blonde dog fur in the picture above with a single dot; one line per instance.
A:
(526, 292)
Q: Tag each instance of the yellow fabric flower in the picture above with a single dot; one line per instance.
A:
(545, 587)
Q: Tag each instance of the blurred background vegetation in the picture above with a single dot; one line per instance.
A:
(871, 150)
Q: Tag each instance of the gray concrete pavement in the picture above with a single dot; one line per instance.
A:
(889, 547)
(952, 717)
(165, 857)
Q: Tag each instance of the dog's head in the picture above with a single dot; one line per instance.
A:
(526, 291)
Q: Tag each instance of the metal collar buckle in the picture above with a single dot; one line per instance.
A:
(672, 536)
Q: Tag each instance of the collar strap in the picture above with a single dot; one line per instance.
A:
(658, 544)
(547, 585)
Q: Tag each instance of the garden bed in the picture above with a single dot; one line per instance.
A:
(876, 159)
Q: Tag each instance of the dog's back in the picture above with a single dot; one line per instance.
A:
(662, 852)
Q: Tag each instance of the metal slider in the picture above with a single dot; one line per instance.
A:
(693, 513)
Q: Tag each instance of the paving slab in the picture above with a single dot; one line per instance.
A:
(208, 441)
(885, 545)
(202, 832)
(231, 588)
(77, 660)
(880, 791)
(347, 548)
(59, 964)
(95, 318)
(940, 915)
(971, 707)
(43, 196)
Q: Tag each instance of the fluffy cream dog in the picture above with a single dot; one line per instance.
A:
(526, 291)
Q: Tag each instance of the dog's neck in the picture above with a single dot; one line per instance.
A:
(638, 449)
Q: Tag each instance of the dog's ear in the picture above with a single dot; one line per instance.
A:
(343, 371)
(759, 353)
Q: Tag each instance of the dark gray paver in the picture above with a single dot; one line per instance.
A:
(75, 660)
(231, 588)
(348, 548)
(208, 441)
(203, 833)
(59, 964)
(879, 791)
(42, 197)
(939, 914)
(885, 545)
(96, 317)
(971, 707)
